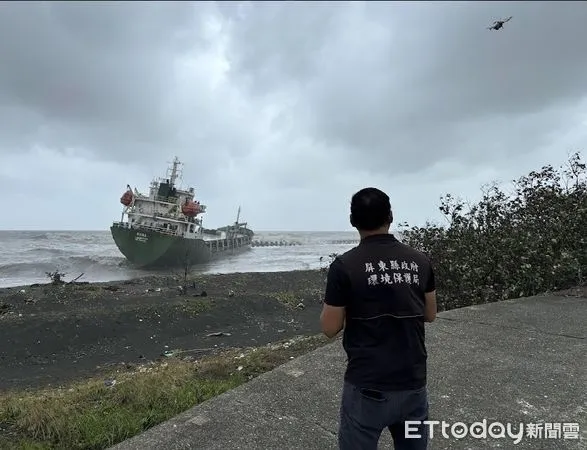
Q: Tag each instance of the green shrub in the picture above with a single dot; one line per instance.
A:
(510, 244)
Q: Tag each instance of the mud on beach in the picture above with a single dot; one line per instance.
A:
(54, 334)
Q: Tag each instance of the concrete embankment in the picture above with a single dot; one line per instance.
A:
(515, 362)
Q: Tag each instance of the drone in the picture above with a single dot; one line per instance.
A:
(498, 24)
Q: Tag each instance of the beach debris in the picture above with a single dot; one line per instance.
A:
(218, 334)
(109, 382)
(239, 368)
(75, 279)
(22, 291)
(300, 305)
(153, 290)
(196, 350)
(168, 353)
(231, 293)
(4, 307)
(281, 331)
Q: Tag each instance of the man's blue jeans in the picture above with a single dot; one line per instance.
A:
(364, 414)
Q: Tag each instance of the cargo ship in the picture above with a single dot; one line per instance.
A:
(165, 228)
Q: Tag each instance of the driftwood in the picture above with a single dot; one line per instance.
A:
(75, 279)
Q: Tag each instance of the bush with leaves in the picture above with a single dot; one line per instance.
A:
(530, 240)
(56, 277)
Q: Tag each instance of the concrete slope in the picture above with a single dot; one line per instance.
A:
(518, 361)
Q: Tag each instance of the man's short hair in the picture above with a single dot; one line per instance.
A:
(370, 209)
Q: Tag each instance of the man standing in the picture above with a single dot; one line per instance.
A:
(381, 292)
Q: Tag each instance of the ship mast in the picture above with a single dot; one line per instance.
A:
(174, 171)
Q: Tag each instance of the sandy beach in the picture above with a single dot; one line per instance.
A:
(55, 334)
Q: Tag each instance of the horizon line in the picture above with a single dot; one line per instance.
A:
(106, 230)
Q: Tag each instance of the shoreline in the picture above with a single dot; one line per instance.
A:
(58, 334)
(167, 277)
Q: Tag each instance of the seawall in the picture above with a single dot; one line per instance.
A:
(520, 362)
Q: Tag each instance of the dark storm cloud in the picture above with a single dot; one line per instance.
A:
(91, 74)
(287, 102)
(399, 86)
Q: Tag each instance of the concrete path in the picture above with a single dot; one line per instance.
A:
(518, 361)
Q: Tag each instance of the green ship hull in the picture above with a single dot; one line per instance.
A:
(163, 230)
(152, 249)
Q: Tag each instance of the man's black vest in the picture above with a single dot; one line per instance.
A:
(384, 332)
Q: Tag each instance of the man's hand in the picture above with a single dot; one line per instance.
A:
(332, 319)
(430, 306)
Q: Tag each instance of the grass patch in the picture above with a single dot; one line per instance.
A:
(90, 415)
(287, 298)
(292, 299)
(195, 306)
(69, 292)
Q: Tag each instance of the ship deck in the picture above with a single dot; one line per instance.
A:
(220, 244)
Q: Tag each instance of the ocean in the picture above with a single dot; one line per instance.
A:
(26, 256)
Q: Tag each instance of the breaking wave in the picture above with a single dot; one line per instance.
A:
(70, 265)
(26, 256)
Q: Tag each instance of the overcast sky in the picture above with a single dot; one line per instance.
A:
(283, 108)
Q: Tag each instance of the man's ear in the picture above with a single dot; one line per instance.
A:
(390, 217)
(352, 220)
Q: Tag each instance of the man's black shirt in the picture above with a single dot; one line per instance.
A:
(381, 283)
